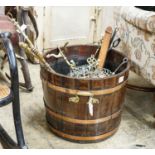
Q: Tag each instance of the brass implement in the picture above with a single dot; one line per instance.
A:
(26, 47)
(75, 99)
(91, 100)
(70, 63)
(30, 47)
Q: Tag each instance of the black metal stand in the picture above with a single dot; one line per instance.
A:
(5, 139)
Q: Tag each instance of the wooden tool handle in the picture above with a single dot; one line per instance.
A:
(104, 47)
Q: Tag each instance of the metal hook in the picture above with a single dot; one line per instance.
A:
(116, 43)
(125, 61)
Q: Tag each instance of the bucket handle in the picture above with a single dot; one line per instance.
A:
(76, 99)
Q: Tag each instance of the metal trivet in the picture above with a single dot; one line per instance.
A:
(89, 70)
(85, 71)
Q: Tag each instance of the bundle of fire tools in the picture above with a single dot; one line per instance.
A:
(94, 67)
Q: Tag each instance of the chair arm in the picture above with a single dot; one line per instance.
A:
(5, 36)
(142, 19)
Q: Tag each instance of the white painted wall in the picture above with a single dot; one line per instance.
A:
(74, 24)
(69, 23)
(40, 23)
(66, 24)
(107, 17)
(1, 9)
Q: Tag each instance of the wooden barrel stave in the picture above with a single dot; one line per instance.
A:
(86, 84)
(83, 129)
(107, 104)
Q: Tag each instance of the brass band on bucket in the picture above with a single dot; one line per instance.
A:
(79, 121)
(84, 93)
(83, 138)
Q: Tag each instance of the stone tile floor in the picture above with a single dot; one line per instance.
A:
(136, 129)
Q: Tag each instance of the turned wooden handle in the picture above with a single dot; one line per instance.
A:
(104, 47)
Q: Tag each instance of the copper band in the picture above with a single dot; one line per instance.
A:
(79, 121)
(82, 138)
(84, 93)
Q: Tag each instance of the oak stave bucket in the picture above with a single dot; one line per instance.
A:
(72, 120)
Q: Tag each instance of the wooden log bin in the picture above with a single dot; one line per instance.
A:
(66, 99)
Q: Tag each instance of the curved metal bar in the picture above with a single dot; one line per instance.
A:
(7, 100)
(140, 88)
(14, 88)
(6, 140)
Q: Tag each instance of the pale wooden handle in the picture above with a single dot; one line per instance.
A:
(104, 47)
